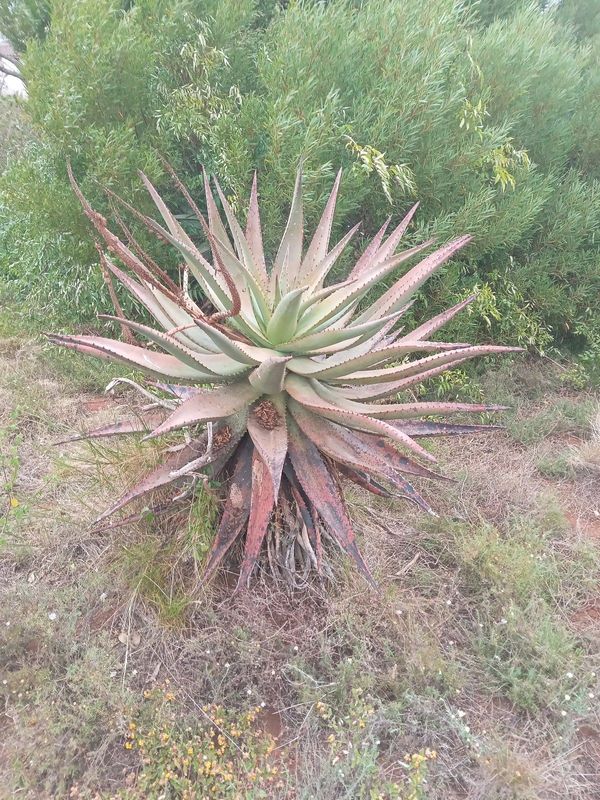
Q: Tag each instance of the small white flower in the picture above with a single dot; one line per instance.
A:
(8, 624)
(591, 695)
(569, 674)
(448, 602)
(248, 691)
(502, 621)
(460, 713)
(563, 713)
(467, 729)
(295, 648)
(227, 665)
(263, 704)
(567, 697)
(52, 616)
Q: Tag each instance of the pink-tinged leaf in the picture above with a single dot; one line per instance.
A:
(254, 234)
(388, 248)
(243, 250)
(319, 245)
(168, 313)
(269, 377)
(247, 354)
(398, 411)
(143, 294)
(418, 428)
(217, 364)
(367, 345)
(402, 291)
(326, 265)
(172, 221)
(145, 514)
(407, 490)
(300, 390)
(207, 406)
(435, 323)
(328, 310)
(118, 428)
(287, 261)
(261, 508)
(268, 430)
(214, 218)
(175, 390)
(379, 391)
(161, 476)
(364, 480)
(355, 449)
(320, 487)
(422, 365)
(341, 365)
(236, 510)
(319, 342)
(366, 258)
(156, 364)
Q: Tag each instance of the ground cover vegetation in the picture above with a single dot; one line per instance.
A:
(484, 112)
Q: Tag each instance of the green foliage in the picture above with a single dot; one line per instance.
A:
(14, 130)
(24, 20)
(485, 111)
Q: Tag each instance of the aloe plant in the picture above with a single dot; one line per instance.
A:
(280, 380)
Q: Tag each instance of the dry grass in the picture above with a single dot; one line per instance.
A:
(481, 645)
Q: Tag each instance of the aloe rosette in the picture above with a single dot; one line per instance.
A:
(280, 380)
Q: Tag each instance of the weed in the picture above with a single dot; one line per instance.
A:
(557, 466)
(562, 416)
(223, 754)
